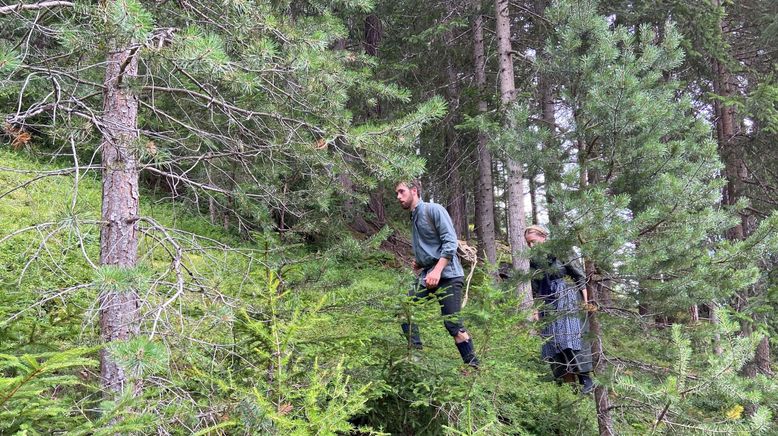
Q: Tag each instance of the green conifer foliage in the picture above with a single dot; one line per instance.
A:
(245, 104)
(640, 197)
(252, 113)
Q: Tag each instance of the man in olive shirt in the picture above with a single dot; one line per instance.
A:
(434, 243)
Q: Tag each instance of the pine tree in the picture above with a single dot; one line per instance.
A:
(643, 203)
(244, 105)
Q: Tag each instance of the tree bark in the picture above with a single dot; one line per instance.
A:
(601, 400)
(355, 216)
(552, 171)
(694, 313)
(484, 217)
(714, 319)
(515, 182)
(374, 33)
(736, 173)
(533, 196)
(596, 296)
(457, 200)
(119, 310)
(762, 357)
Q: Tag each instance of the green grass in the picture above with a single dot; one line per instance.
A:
(254, 317)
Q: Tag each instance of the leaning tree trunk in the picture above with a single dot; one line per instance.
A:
(516, 220)
(485, 194)
(119, 310)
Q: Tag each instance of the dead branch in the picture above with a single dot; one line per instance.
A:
(5, 10)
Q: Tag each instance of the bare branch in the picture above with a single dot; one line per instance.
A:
(5, 10)
(44, 301)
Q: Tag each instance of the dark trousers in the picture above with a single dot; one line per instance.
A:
(449, 295)
(572, 362)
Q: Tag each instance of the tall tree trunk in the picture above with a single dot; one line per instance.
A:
(533, 196)
(694, 313)
(457, 200)
(498, 179)
(599, 297)
(734, 167)
(601, 400)
(762, 357)
(355, 216)
(714, 319)
(724, 117)
(516, 219)
(736, 173)
(552, 171)
(484, 217)
(119, 310)
(374, 33)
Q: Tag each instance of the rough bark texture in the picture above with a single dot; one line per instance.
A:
(552, 172)
(694, 313)
(762, 357)
(597, 295)
(533, 196)
(485, 193)
(515, 182)
(734, 168)
(736, 173)
(601, 400)
(119, 311)
(714, 319)
(457, 198)
(355, 216)
(374, 33)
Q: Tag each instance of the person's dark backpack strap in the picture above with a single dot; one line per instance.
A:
(428, 217)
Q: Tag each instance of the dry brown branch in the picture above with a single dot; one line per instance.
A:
(5, 10)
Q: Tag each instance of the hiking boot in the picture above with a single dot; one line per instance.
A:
(587, 384)
(467, 352)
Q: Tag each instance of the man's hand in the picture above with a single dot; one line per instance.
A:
(432, 279)
(415, 265)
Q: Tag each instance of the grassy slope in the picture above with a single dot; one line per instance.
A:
(226, 337)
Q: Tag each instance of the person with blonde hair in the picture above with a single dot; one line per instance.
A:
(561, 287)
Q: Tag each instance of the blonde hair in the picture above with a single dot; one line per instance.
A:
(535, 228)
